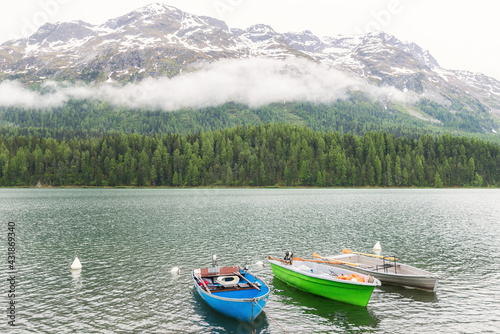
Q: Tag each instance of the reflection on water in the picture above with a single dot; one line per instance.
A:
(76, 275)
(409, 293)
(340, 314)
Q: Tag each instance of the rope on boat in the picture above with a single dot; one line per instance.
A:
(272, 318)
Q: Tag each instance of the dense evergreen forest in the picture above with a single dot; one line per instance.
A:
(252, 155)
(357, 115)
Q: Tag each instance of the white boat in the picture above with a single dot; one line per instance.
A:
(387, 269)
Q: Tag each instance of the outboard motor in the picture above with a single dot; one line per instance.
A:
(288, 257)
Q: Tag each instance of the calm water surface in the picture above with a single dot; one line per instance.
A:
(128, 240)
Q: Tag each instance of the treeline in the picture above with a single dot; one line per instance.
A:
(357, 115)
(264, 155)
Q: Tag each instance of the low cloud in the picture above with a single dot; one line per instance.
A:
(253, 82)
(13, 94)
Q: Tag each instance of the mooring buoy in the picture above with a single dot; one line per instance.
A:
(76, 265)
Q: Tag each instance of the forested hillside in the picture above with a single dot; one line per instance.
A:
(357, 115)
(263, 155)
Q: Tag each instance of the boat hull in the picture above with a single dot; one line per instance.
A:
(343, 291)
(241, 305)
(404, 275)
(417, 282)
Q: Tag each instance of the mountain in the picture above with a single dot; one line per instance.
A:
(159, 40)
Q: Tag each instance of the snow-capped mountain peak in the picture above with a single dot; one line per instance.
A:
(159, 40)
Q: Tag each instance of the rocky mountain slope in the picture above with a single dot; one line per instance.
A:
(159, 40)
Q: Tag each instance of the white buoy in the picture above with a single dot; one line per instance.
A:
(175, 270)
(377, 249)
(260, 263)
(76, 264)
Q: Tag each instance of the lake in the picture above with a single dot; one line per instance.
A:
(128, 240)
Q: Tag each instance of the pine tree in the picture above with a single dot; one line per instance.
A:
(229, 176)
(406, 177)
(471, 171)
(388, 168)
(153, 176)
(288, 176)
(195, 176)
(176, 181)
(378, 171)
(478, 180)
(319, 180)
(397, 171)
(305, 173)
(437, 181)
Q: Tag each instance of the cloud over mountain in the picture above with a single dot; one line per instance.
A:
(253, 82)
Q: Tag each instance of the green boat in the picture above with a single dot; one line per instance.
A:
(316, 277)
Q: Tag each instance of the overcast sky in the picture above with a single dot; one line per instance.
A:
(459, 34)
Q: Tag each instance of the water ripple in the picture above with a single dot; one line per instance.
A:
(128, 240)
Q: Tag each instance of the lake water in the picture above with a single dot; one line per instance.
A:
(129, 239)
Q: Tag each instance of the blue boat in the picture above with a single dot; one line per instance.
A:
(232, 291)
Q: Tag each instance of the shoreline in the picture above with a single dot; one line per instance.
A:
(229, 187)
